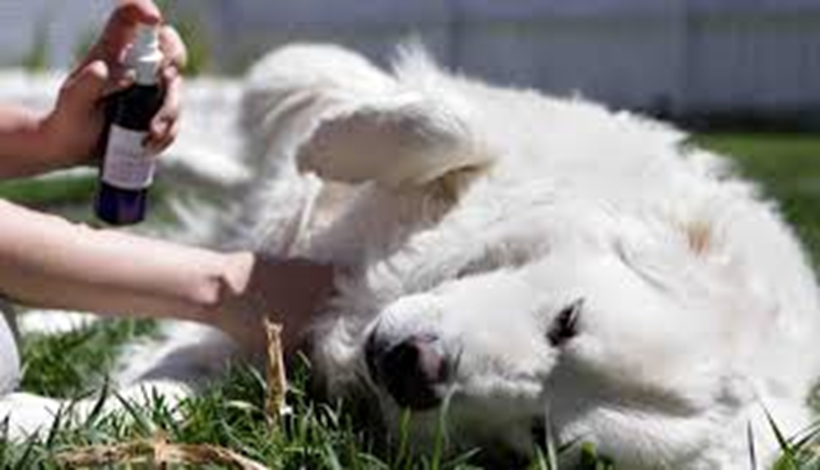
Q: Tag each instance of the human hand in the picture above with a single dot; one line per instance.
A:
(290, 292)
(73, 128)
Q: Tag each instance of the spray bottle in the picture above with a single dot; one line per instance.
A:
(127, 169)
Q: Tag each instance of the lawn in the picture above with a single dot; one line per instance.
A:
(317, 435)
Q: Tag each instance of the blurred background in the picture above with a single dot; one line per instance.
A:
(747, 63)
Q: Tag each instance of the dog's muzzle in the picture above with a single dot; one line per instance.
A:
(412, 370)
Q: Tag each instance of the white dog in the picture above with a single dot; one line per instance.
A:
(517, 261)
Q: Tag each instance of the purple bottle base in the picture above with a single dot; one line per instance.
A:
(121, 206)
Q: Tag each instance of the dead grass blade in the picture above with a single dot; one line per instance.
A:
(275, 405)
(157, 452)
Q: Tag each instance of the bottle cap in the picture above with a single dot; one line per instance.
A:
(144, 56)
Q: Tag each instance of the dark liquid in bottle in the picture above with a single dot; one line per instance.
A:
(130, 111)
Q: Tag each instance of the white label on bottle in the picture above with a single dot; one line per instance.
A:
(128, 165)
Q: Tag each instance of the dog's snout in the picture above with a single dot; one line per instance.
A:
(411, 370)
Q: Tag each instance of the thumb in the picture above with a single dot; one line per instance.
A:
(86, 86)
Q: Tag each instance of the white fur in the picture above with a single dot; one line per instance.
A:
(477, 213)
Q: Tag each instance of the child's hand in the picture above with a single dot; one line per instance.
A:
(74, 126)
(291, 292)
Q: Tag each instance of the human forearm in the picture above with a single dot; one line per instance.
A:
(24, 144)
(46, 261)
(49, 262)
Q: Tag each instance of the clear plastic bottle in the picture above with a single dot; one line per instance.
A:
(127, 168)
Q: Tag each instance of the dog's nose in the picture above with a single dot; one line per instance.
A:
(411, 370)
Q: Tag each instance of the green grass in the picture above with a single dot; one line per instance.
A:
(69, 365)
(321, 435)
(50, 192)
(72, 195)
(230, 414)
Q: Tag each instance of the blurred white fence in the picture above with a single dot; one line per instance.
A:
(688, 56)
(684, 55)
(680, 55)
(54, 29)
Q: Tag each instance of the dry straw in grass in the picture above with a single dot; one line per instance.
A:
(275, 406)
(157, 452)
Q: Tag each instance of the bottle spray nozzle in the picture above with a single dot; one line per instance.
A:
(144, 56)
(147, 38)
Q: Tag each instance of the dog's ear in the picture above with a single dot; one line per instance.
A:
(398, 141)
(345, 120)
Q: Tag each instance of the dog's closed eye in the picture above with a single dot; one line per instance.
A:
(565, 325)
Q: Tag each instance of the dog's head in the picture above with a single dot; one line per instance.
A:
(518, 263)
(589, 332)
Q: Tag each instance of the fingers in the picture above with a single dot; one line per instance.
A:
(110, 49)
(81, 95)
(77, 119)
(173, 49)
(138, 11)
(83, 90)
(165, 125)
(120, 29)
(118, 79)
